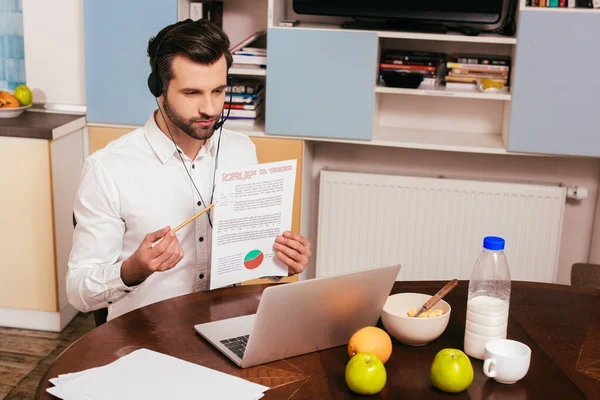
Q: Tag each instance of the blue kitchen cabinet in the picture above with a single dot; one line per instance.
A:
(116, 35)
(320, 83)
(556, 90)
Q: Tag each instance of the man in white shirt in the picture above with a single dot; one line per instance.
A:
(138, 186)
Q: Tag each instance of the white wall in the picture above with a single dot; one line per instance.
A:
(579, 215)
(54, 52)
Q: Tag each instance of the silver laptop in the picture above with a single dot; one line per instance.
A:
(302, 317)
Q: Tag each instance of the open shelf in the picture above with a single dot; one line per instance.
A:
(247, 71)
(449, 37)
(489, 38)
(438, 140)
(251, 130)
(442, 91)
(402, 138)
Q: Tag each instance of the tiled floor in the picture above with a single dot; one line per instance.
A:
(25, 355)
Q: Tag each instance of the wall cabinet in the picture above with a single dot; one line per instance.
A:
(556, 94)
(116, 35)
(320, 83)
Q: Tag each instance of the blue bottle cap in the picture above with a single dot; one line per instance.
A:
(493, 243)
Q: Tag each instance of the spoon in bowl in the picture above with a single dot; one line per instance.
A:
(437, 297)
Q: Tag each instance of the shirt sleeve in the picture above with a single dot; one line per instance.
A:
(94, 269)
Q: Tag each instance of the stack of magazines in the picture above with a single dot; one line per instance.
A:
(250, 52)
(426, 64)
(247, 101)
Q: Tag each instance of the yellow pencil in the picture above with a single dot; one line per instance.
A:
(186, 222)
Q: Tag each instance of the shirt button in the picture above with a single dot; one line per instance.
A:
(110, 302)
(193, 166)
(201, 239)
(127, 291)
(199, 203)
(201, 276)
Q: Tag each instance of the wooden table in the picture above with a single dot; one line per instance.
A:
(559, 323)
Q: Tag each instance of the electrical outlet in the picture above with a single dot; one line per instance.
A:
(196, 11)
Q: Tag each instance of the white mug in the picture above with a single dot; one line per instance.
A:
(507, 361)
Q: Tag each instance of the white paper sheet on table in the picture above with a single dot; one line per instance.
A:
(254, 207)
(146, 374)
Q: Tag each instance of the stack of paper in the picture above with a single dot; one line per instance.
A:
(146, 374)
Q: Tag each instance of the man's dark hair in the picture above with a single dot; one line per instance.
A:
(200, 41)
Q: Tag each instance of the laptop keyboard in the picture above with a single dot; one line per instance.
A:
(237, 345)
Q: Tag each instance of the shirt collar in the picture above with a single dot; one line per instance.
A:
(163, 146)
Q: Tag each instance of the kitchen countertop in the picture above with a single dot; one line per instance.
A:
(41, 125)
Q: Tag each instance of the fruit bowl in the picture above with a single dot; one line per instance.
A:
(410, 330)
(12, 112)
(12, 104)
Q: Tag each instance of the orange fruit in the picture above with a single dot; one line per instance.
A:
(7, 100)
(371, 339)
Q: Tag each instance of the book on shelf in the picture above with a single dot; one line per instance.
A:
(245, 91)
(465, 70)
(243, 121)
(246, 59)
(455, 71)
(248, 40)
(250, 51)
(240, 106)
(394, 63)
(249, 86)
(406, 67)
(244, 101)
(245, 113)
(256, 105)
(564, 3)
(244, 98)
(479, 59)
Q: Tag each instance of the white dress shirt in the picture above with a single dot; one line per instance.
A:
(136, 185)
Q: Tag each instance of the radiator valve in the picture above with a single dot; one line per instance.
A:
(578, 193)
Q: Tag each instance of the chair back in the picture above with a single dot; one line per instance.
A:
(585, 275)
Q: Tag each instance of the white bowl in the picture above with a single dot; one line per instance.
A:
(12, 112)
(409, 330)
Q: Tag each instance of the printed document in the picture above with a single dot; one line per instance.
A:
(254, 207)
(150, 375)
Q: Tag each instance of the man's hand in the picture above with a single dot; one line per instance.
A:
(147, 259)
(294, 250)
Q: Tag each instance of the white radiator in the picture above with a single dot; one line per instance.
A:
(435, 227)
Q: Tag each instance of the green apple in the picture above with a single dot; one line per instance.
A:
(365, 374)
(451, 371)
(24, 95)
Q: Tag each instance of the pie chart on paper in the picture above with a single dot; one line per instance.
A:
(253, 259)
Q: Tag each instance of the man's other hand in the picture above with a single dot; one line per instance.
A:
(293, 250)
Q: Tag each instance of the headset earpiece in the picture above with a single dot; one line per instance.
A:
(154, 85)
(154, 82)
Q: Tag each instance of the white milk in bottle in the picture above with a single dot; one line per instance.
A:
(488, 299)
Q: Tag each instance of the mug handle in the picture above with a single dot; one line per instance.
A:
(489, 367)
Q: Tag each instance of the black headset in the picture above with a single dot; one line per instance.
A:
(156, 88)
